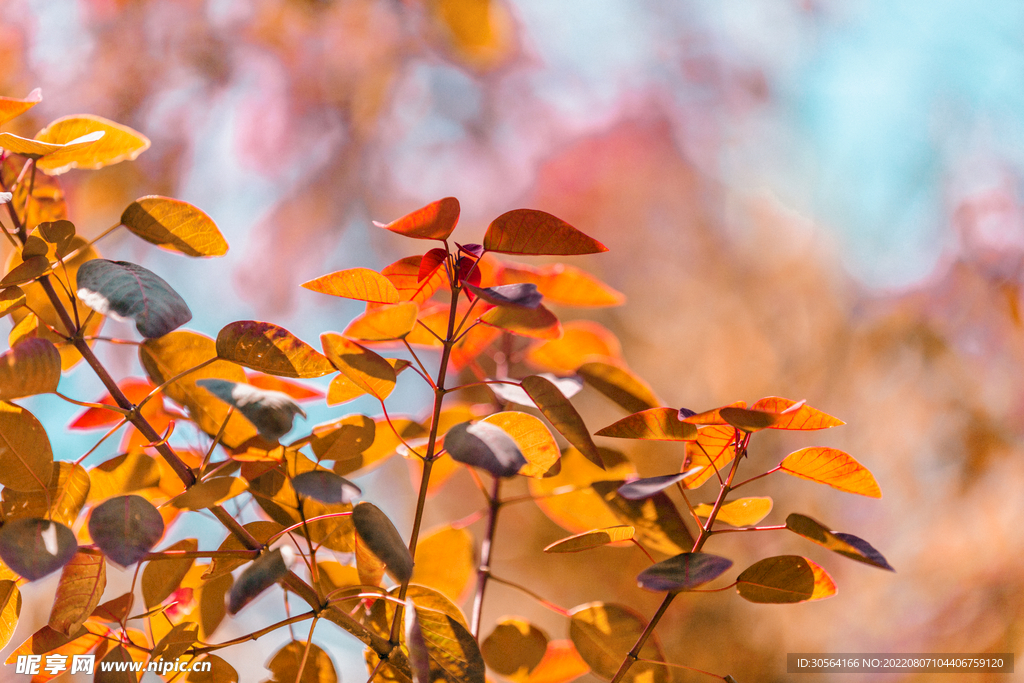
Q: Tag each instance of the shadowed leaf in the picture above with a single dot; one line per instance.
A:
(783, 579)
(385, 323)
(367, 370)
(847, 545)
(581, 341)
(31, 367)
(220, 672)
(528, 231)
(297, 390)
(271, 349)
(514, 648)
(344, 438)
(568, 499)
(212, 604)
(791, 415)
(435, 221)
(382, 538)
(271, 412)
(833, 467)
(123, 289)
(640, 489)
(513, 393)
(419, 656)
(262, 531)
(431, 261)
(554, 405)
(361, 284)
(658, 424)
(37, 149)
(209, 493)
(683, 572)
(119, 143)
(26, 271)
(604, 632)
(740, 512)
(174, 225)
(123, 474)
(10, 299)
(594, 538)
(657, 522)
(26, 460)
(113, 611)
(81, 585)
(284, 665)
(10, 610)
(36, 547)
(113, 667)
(11, 107)
(620, 384)
(514, 296)
(173, 645)
(325, 486)
(537, 323)
(267, 570)
(485, 446)
(563, 284)
(534, 440)
(126, 528)
(747, 420)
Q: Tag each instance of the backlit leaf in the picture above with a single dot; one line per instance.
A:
(563, 284)
(384, 323)
(31, 367)
(271, 349)
(404, 277)
(514, 296)
(562, 414)
(713, 416)
(384, 446)
(658, 424)
(10, 299)
(369, 567)
(803, 417)
(220, 671)
(213, 604)
(361, 284)
(568, 499)
(25, 272)
(847, 545)
(60, 234)
(26, 460)
(604, 632)
(594, 538)
(824, 586)
(123, 474)
(747, 420)
(174, 225)
(325, 486)
(160, 578)
(10, 610)
(712, 450)
(297, 390)
(174, 644)
(37, 149)
(581, 341)
(284, 665)
(126, 528)
(62, 500)
(537, 323)
(416, 644)
(36, 547)
(514, 648)
(119, 143)
(271, 412)
(209, 493)
(383, 539)
(620, 384)
(431, 261)
(344, 438)
(11, 107)
(267, 570)
(367, 370)
(783, 579)
(451, 647)
(657, 523)
(683, 572)
(445, 561)
(638, 489)
(485, 446)
(833, 467)
(127, 290)
(528, 231)
(343, 390)
(561, 664)
(535, 442)
(81, 585)
(435, 221)
(48, 641)
(261, 531)
(740, 512)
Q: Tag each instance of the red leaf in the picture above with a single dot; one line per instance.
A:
(528, 231)
(435, 221)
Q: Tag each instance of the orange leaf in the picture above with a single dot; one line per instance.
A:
(435, 221)
(366, 369)
(472, 344)
(12, 106)
(824, 586)
(539, 323)
(404, 276)
(582, 341)
(620, 384)
(271, 349)
(385, 323)
(561, 664)
(656, 424)
(119, 143)
(833, 467)
(568, 499)
(713, 417)
(563, 284)
(796, 416)
(300, 392)
(562, 415)
(37, 149)
(712, 448)
(361, 284)
(533, 438)
(528, 231)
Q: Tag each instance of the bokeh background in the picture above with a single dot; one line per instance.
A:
(806, 198)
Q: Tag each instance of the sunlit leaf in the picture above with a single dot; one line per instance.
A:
(561, 664)
(740, 512)
(174, 225)
(683, 572)
(535, 442)
(367, 370)
(604, 632)
(26, 271)
(824, 586)
(37, 149)
(267, 570)
(514, 393)
(284, 665)
(36, 547)
(262, 531)
(563, 284)
(639, 489)
(528, 231)
(657, 523)
(404, 275)
(537, 323)
(568, 499)
(485, 446)
(369, 567)
(582, 341)
(445, 561)
(27, 328)
(431, 261)
(81, 585)
(177, 352)
(26, 460)
(271, 412)
(209, 493)
(220, 671)
(712, 450)
(473, 343)
(297, 390)
(435, 221)
(620, 384)
(31, 367)
(127, 290)
(62, 500)
(11, 107)
(562, 414)
(343, 390)
(833, 467)
(514, 648)
(113, 611)
(119, 143)
(344, 438)
(123, 474)
(325, 486)
(594, 538)
(847, 545)
(659, 424)
(10, 299)
(451, 647)
(382, 538)
(173, 645)
(36, 202)
(10, 610)
(271, 349)
(361, 284)
(385, 323)
(791, 415)
(782, 579)
(126, 528)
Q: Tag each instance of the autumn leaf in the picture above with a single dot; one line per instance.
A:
(595, 538)
(833, 467)
(528, 231)
(659, 424)
(383, 539)
(604, 632)
(118, 143)
(435, 221)
(26, 459)
(78, 593)
(514, 648)
(30, 367)
(793, 415)
(683, 572)
(11, 107)
(126, 290)
(174, 225)
(563, 284)
(36, 547)
(361, 284)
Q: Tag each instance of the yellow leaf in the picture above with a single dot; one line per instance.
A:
(174, 225)
(793, 415)
(563, 284)
(123, 474)
(620, 384)
(11, 107)
(385, 323)
(833, 467)
(567, 498)
(81, 585)
(26, 460)
(271, 349)
(366, 369)
(10, 610)
(435, 221)
(445, 561)
(740, 512)
(533, 438)
(361, 284)
(160, 578)
(658, 424)
(594, 538)
(119, 143)
(581, 341)
(62, 500)
(604, 632)
(31, 367)
(36, 149)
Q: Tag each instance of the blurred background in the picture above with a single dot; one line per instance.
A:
(806, 198)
